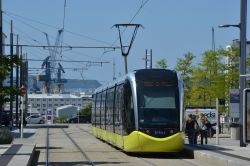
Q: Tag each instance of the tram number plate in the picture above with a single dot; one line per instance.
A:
(160, 132)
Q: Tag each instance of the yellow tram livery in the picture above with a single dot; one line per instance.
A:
(141, 112)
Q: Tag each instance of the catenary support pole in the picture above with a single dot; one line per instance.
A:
(17, 84)
(243, 25)
(11, 73)
(1, 52)
(217, 121)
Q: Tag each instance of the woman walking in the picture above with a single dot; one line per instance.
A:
(190, 129)
(204, 123)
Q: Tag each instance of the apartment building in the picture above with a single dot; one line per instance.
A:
(44, 102)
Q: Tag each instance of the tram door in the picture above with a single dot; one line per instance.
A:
(128, 113)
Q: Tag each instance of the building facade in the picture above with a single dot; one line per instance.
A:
(44, 102)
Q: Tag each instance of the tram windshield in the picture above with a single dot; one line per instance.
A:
(157, 104)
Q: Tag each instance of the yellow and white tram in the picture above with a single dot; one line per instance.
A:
(141, 112)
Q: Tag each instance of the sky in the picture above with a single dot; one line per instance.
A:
(171, 28)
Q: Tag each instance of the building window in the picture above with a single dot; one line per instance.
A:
(61, 100)
(44, 99)
(38, 99)
(50, 99)
(31, 99)
(44, 105)
(50, 105)
(38, 105)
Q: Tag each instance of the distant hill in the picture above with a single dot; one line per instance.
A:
(72, 85)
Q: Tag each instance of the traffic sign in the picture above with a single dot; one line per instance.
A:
(23, 90)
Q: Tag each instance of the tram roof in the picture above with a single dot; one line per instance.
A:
(121, 79)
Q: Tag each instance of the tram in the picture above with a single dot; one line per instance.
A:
(141, 112)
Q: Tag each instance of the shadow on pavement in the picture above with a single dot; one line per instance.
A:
(174, 155)
(25, 135)
(80, 163)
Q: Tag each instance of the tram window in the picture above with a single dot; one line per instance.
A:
(118, 109)
(157, 97)
(128, 113)
(109, 109)
(157, 104)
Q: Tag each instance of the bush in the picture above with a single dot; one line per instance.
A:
(62, 118)
(6, 136)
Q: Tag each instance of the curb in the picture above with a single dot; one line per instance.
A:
(23, 156)
(31, 156)
(213, 157)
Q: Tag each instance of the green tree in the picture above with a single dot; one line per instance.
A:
(231, 69)
(185, 67)
(208, 80)
(162, 63)
(86, 111)
(5, 69)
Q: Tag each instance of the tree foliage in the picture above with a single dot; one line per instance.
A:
(185, 67)
(86, 111)
(5, 69)
(162, 63)
(212, 78)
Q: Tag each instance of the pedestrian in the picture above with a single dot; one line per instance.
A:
(196, 129)
(190, 129)
(204, 124)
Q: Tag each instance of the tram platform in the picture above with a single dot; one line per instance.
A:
(227, 153)
(21, 151)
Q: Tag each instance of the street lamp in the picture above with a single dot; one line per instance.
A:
(229, 25)
(78, 109)
(242, 26)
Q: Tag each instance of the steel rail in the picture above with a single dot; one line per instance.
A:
(47, 147)
(79, 148)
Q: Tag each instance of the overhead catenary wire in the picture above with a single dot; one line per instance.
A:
(11, 14)
(61, 60)
(132, 19)
(63, 43)
(143, 3)
(47, 46)
(66, 68)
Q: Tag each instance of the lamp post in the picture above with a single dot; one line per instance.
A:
(242, 26)
(78, 109)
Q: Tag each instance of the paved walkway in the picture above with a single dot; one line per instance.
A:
(20, 152)
(227, 153)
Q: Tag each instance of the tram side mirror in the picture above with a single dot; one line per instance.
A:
(246, 116)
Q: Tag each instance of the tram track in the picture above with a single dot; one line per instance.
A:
(180, 156)
(47, 148)
(79, 148)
